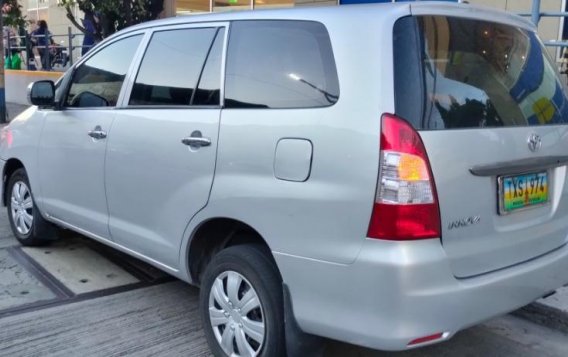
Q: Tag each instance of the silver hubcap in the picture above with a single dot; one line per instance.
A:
(22, 207)
(236, 315)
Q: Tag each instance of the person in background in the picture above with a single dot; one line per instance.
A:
(23, 49)
(90, 23)
(40, 38)
(31, 50)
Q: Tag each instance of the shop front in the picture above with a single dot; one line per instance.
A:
(189, 7)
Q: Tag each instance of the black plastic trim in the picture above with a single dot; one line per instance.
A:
(298, 343)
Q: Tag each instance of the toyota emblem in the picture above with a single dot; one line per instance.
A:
(534, 142)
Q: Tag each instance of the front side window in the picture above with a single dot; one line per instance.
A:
(174, 65)
(280, 64)
(97, 82)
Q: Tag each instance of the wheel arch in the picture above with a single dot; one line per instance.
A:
(10, 167)
(214, 234)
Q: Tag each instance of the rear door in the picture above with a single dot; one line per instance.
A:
(161, 156)
(492, 113)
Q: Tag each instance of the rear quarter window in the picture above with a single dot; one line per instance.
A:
(280, 64)
(473, 74)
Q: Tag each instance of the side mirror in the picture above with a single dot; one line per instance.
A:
(42, 94)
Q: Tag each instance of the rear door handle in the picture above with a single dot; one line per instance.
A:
(196, 140)
(97, 133)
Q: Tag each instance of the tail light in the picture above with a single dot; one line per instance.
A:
(406, 203)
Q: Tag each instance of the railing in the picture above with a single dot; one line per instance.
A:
(55, 56)
(69, 50)
(536, 15)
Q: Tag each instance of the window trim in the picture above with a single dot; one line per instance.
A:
(64, 95)
(133, 70)
(168, 106)
(203, 66)
(137, 62)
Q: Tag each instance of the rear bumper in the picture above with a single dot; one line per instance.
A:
(396, 292)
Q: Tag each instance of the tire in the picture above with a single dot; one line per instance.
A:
(254, 273)
(27, 223)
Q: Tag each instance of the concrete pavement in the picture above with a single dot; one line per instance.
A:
(163, 321)
(558, 302)
(160, 318)
(157, 321)
(79, 267)
(19, 286)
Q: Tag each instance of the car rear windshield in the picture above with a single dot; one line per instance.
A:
(473, 74)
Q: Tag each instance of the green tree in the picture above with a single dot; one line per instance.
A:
(114, 15)
(12, 14)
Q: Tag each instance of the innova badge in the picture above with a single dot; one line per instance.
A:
(534, 142)
(464, 222)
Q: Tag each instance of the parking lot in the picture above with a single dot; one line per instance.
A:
(78, 298)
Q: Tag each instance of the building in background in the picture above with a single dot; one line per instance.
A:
(35, 9)
(49, 11)
(549, 28)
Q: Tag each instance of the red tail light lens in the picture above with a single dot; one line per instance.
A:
(406, 204)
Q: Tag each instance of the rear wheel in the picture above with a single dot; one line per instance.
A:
(241, 303)
(27, 224)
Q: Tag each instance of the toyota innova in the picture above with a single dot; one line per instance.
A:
(385, 175)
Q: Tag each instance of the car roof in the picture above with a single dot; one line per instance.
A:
(295, 13)
(345, 13)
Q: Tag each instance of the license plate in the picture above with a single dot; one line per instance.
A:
(522, 191)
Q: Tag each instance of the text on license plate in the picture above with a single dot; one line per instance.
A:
(521, 191)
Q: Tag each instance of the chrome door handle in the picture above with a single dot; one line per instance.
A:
(196, 140)
(97, 133)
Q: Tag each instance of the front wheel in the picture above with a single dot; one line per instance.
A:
(241, 303)
(27, 224)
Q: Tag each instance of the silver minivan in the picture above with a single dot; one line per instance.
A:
(384, 175)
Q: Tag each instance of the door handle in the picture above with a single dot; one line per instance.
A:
(196, 140)
(97, 133)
